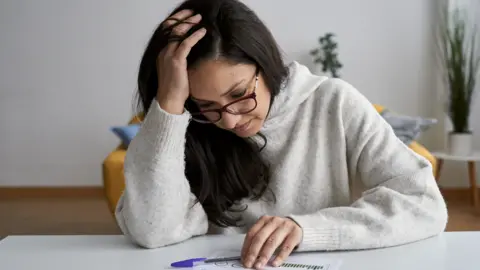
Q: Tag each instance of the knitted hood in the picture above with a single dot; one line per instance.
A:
(300, 84)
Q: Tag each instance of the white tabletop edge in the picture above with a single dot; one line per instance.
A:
(448, 251)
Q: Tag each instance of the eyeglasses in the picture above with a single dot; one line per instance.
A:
(240, 106)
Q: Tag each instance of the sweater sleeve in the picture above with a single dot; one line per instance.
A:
(402, 202)
(157, 207)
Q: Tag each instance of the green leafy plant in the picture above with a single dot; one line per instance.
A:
(326, 55)
(460, 59)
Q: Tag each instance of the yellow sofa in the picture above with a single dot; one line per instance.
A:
(113, 178)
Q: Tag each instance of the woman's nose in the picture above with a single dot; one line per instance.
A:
(229, 121)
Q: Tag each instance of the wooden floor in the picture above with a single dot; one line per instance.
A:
(91, 216)
(56, 216)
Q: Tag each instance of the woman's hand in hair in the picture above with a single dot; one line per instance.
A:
(267, 236)
(173, 89)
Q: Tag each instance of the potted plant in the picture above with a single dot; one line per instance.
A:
(326, 55)
(460, 59)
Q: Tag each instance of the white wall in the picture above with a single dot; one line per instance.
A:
(57, 58)
(67, 73)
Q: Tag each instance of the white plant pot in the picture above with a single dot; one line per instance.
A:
(460, 144)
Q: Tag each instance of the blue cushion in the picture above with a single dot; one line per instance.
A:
(126, 133)
(407, 128)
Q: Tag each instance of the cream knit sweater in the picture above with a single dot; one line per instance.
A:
(324, 138)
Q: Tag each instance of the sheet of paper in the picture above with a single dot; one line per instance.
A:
(306, 261)
(228, 253)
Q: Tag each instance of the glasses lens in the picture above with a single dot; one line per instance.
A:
(243, 106)
(206, 117)
(240, 107)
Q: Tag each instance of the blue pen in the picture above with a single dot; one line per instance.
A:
(195, 261)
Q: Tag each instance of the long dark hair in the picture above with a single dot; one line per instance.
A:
(221, 167)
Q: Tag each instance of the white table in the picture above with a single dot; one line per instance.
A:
(471, 159)
(449, 251)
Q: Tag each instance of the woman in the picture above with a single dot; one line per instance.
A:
(235, 141)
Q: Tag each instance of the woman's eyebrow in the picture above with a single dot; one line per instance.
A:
(232, 88)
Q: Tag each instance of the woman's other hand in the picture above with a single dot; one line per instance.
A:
(268, 235)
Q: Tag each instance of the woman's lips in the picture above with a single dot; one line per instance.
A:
(243, 127)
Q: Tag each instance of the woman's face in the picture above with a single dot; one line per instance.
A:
(216, 83)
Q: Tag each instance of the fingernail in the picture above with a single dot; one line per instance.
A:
(258, 265)
(262, 262)
(276, 263)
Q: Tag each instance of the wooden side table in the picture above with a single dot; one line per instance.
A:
(471, 159)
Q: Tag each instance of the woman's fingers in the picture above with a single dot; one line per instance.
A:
(274, 240)
(250, 235)
(183, 27)
(287, 247)
(268, 235)
(261, 238)
(179, 16)
(185, 47)
(177, 27)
